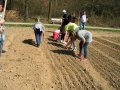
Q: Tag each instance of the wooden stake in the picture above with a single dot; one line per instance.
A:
(4, 8)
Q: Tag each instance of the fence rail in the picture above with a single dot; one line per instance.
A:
(88, 27)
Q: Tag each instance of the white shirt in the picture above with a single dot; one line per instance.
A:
(1, 15)
(84, 18)
(57, 31)
(38, 25)
(84, 34)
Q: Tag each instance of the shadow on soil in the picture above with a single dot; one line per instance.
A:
(66, 52)
(55, 44)
(29, 41)
(50, 39)
(3, 51)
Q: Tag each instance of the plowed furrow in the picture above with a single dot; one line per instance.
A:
(85, 80)
(57, 78)
(112, 45)
(82, 74)
(87, 77)
(74, 79)
(61, 66)
(66, 81)
(103, 58)
(113, 39)
(108, 61)
(106, 71)
(71, 70)
(107, 50)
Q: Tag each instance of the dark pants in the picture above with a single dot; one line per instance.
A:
(85, 46)
(62, 31)
(82, 26)
(62, 36)
(38, 36)
(1, 45)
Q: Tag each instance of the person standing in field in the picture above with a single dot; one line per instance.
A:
(83, 20)
(39, 31)
(2, 34)
(73, 18)
(85, 38)
(64, 23)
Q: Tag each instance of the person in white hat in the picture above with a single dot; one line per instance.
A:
(64, 11)
(65, 21)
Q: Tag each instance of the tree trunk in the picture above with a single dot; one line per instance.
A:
(26, 10)
(50, 10)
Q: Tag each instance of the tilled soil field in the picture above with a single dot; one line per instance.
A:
(51, 67)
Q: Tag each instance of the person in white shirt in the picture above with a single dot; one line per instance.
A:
(39, 31)
(83, 21)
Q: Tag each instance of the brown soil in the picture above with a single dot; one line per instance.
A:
(50, 67)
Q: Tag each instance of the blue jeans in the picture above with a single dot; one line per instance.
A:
(2, 39)
(82, 25)
(38, 36)
(85, 46)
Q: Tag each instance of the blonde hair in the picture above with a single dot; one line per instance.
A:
(72, 34)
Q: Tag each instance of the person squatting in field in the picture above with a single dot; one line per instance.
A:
(39, 31)
(85, 38)
(2, 34)
(56, 34)
(70, 26)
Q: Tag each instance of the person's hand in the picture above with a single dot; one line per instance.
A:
(43, 37)
(65, 47)
(83, 42)
(64, 42)
(2, 21)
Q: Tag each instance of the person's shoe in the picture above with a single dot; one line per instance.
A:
(85, 59)
(74, 49)
(61, 41)
(79, 57)
(38, 45)
(3, 51)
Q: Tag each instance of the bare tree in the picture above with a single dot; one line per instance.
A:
(49, 11)
(26, 10)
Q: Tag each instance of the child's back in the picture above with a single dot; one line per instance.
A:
(56, 34)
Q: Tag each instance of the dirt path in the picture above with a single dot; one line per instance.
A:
(50, 67)
(23, 66)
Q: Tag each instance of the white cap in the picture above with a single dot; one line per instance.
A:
(64, 11)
